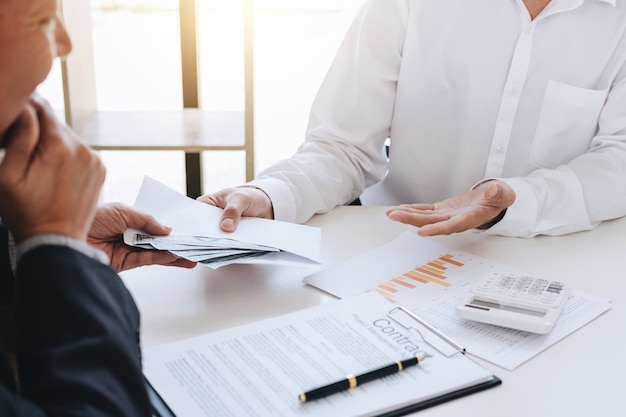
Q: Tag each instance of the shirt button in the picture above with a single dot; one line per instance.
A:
(513, 92)
(499, 148)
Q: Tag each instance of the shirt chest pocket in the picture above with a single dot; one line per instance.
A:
(567, 123)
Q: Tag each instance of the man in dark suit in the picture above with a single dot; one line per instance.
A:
(69, 329)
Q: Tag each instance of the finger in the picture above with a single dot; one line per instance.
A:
(230, 218)
(151, 257)
(413, 208)
(236, 205)
(452, 225)
(499, 195)
(145, 222)
(231, 203)
(182, 263)
(210, 199)
(44, 109)
(51, 128)
(417, 219)
(21, 142)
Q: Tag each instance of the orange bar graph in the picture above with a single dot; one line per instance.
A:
(436, 281)
(436, 271)
(438, 264)
(387, 286)
(448, 258)
(431, 272)
(384, 294)
(400, 281)
(415, 276)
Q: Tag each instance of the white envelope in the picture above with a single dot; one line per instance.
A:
(188, 217)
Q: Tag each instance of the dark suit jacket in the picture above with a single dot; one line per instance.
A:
(76, 338)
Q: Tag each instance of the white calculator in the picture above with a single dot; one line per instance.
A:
(517, 301)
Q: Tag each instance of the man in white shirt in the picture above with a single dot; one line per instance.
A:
(508, 116)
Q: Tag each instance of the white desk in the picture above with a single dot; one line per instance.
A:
(583, 375)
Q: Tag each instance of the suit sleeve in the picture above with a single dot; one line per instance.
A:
(77, 338)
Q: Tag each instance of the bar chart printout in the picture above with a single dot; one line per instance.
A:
(433, 272)
(409, 268)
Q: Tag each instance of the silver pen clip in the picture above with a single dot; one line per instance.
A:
(448, 348)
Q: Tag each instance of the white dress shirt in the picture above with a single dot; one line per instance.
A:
(468, 90)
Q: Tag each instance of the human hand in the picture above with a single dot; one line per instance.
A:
(49, 179)
(237, 202)
(469, 210)
(107, 234)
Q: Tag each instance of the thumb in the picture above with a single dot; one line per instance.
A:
(229, 221)
(497, 195)
(492, 191)
(230, 217)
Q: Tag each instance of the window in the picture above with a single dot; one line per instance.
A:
(137, 67)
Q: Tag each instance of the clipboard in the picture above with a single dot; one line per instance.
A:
(440, 340)
(495, 381)
(439, 352)
(456, 349)
(159, 407)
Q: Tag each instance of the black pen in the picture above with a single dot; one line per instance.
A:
(352, 381)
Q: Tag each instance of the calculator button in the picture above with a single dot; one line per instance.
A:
(532, 290)
(555, 287)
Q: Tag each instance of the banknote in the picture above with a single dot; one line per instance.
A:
(214, 252)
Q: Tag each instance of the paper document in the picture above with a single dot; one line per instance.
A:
(260, 369)
(196, 234)
(443, 276)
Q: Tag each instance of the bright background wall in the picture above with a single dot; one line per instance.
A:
(134, 41)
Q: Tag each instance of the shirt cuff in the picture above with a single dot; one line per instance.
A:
(48, 239)
(520, 217)
(282, 198)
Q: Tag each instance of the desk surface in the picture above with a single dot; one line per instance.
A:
(582, 375)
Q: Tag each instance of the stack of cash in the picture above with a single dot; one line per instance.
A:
(213, 252)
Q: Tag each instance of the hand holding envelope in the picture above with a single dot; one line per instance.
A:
(196, 234)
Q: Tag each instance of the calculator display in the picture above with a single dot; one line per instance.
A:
(489, 304)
